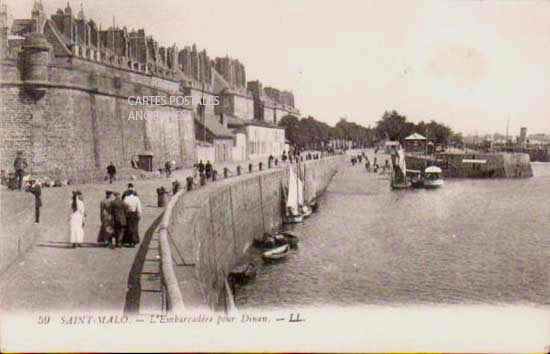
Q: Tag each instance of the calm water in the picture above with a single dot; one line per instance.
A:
(472, 241)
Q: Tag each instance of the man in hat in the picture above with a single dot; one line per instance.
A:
(20, 164)
(129, 191)
(111, 171)
(118, 211)
(105, 214)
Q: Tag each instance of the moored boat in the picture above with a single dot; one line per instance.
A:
(292, 212)
(433, 177)
(276, 253)
(243, 273)
(291, 238)
(314, 206)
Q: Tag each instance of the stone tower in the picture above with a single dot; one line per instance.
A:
(36, 54)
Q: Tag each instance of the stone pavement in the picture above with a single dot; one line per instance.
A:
(52, 276)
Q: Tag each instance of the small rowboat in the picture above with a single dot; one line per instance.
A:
(243, 273)
(314, 206)
(276, 253)
(286, 238)
(292, 239)
(293, 219)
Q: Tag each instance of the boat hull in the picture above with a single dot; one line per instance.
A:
(276, 253)
(293, 219)
(244, 273)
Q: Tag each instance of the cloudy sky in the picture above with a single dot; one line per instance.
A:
(470, 64)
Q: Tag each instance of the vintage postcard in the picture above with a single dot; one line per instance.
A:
(274, 176)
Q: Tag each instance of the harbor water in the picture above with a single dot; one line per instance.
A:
(473, 241)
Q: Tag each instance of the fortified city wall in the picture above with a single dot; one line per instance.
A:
(65, 84)
(80, 121)
(214, 226)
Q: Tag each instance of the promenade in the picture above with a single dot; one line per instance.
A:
(52, 276)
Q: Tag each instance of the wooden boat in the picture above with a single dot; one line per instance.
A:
(243, 273)
(291, 238)
(314, 206)
(286, 238)
(293, 219)
(268, 241)
(276, 253)
(302, 206)
(292, 215)
(433, 178)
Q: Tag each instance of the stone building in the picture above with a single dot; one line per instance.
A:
(220, 139)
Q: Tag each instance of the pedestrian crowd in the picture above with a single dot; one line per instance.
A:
(119, 216)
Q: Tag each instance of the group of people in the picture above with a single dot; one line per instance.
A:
(119, 216)
(374, 166)
(204, 170)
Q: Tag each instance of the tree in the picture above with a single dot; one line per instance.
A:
(393, 126)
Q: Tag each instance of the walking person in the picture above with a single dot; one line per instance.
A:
(20, 164)
(118, 211)
(201, 167)
(168, 169)
(106, 229)
(77, 219)
(36, 190)
(111, 171)
(208, 169)
(133, 215)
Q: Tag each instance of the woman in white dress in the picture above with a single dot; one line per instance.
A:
(76, 221)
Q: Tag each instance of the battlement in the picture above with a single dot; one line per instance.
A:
(232, 71)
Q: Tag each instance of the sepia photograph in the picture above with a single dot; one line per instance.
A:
(275, 176)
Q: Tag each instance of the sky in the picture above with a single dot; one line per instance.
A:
(473, 65)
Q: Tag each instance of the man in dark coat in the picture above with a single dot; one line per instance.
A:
(20, 164)
(201, 167)
(118, 211)
(168, 168)
(208, 169)
(106, 217)
(36, 190)
(111, 171)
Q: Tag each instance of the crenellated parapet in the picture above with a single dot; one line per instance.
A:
(196, 65)
(232, 71)
(271, 104)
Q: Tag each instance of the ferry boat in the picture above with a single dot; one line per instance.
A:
(432, 177)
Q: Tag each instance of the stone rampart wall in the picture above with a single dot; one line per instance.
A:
(213, 227)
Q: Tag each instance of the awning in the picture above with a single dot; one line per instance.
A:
(432, 169)
(415, 136)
